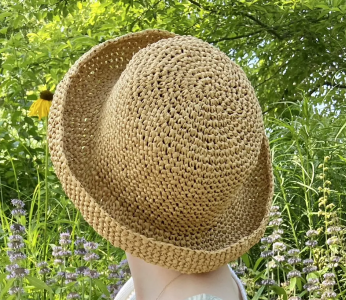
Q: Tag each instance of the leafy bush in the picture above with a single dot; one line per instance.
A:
(293, 53)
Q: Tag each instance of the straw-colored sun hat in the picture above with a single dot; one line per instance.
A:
(158, 140)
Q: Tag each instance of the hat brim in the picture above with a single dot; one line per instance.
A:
(67, 137)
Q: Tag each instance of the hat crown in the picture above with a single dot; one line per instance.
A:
(178, 136)
(163, 150)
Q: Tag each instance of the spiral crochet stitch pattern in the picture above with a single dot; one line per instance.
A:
(158, 139)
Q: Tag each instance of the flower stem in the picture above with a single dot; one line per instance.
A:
(83, 289)
(20, 289)
(46, 200)
(90, 287)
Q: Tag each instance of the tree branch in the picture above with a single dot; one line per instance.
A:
(337, 85)
(268, 28)
(273, 76)
(258, 22)
(327, 83)
(202, 7)
(236, 37)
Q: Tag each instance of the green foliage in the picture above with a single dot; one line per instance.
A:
(292, 51)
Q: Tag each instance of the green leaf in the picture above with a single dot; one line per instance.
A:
(342, 158)
(64, 12)
(258, 261)
(341, 129)
(50, 16)
(299, 283)
(293, 283)
(83, 40)
(4, 30)
(312, 275)
(103, 288)
(259, 293)
(2, 277)
(246, 260)
(39, 284)
(4, 15)
(60, 48)
(279, 290)
(6, 287)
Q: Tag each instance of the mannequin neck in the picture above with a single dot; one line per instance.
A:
(150, 280)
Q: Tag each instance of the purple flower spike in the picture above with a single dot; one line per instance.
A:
(120, 283)
(16, 271)
(92, 274)
(294, 273)
(80, 252)
(274, 214)
(56, 250)
(112, 287)
(278, 231)
(71, 277)
(276, 222)
(311, 233)
(279, 246)
(113, 268)
(43, 267)
(293, 252)
(17, 229)
(16, 238)
(65, 238)
(268, 282)
(59, 252)
(279, 258)
(16, 290)
(44, 270)
(15, 245)
(309, 269)
(112, 275)
(91, 257)
(89, 246)
(311, 243)
(42, 264)
(333, 229)
(328, 295)
(16, 256)
(17, 203)
(58, 261)
(51, 281)
(275, 237)
(266, 254)
(80, 241)
(329, 275)
(294, 260)
(275, 208)
(65, 235)
(266, 240)
(73, 295)
(123, 262)
(65, 253)
(308, 262)
(61, 274)
(18, 212)
(81, 270)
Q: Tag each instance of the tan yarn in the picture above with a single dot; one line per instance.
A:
(158, 139)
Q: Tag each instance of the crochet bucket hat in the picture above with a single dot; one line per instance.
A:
(158, 140)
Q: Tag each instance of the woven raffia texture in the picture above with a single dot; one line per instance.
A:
(158, 139)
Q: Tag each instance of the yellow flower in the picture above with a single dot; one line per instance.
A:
(42, 105)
